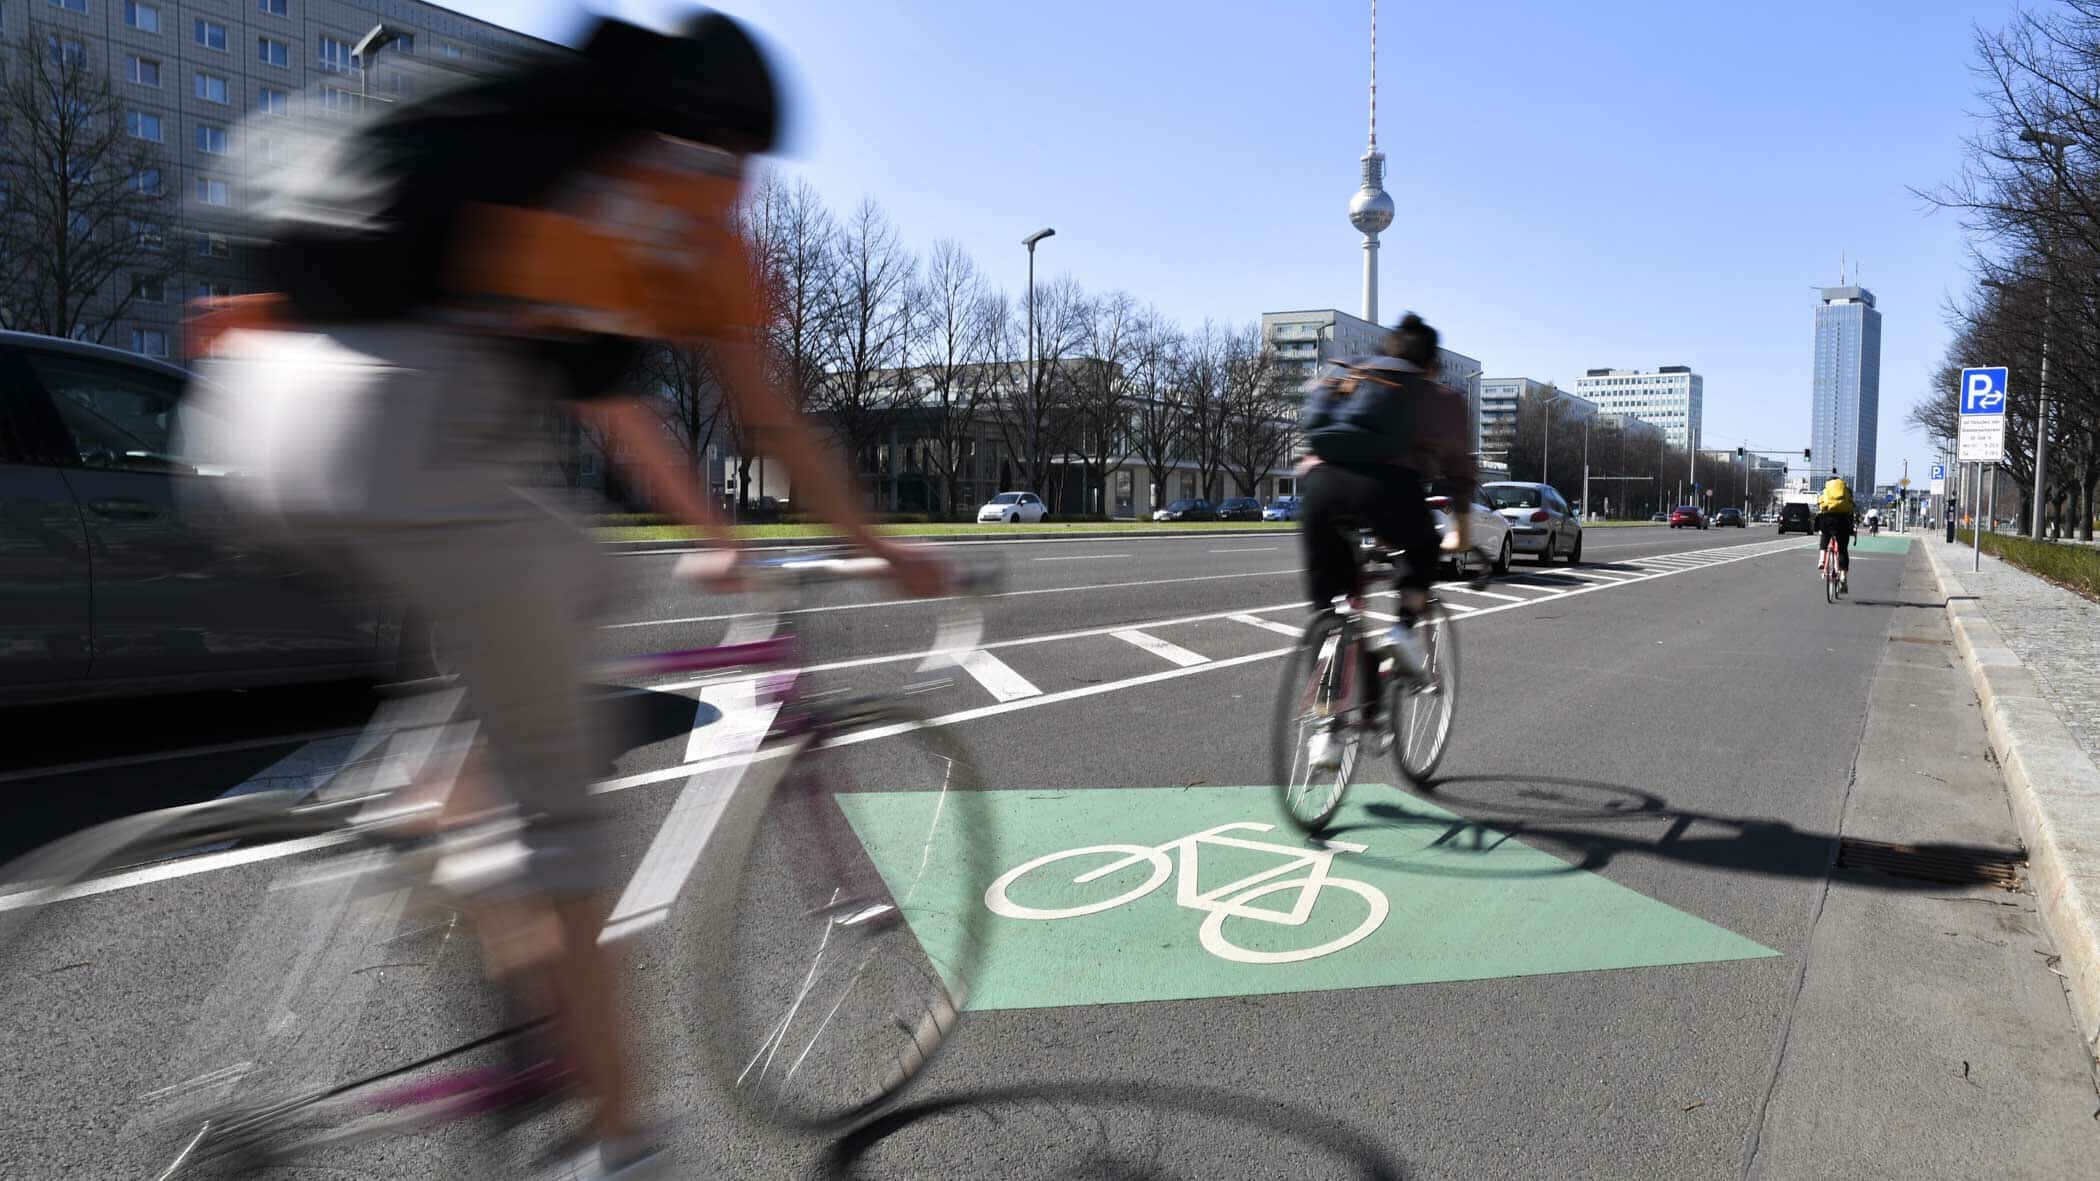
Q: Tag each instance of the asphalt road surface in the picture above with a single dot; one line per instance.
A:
(1599, 936)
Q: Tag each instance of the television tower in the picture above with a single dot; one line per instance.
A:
(1371, 210)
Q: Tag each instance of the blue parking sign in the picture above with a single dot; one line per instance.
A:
(1983, 391)
(1939, 471)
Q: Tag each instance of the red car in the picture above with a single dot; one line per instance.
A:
(1687, 515)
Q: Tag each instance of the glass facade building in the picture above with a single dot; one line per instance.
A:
(1845, 421)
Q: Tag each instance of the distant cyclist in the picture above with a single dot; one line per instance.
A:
(1378, 427)
(1834, 519)
(1874, 522)
(476, 262)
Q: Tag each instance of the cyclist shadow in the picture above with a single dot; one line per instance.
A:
(1042, 1127)
(1540, 811)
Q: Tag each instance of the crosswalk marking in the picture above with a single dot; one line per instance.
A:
(1591, 577)
(1281, 629)
(997, 677)
(1174, 653)
(1489, 594)
(1458, 607)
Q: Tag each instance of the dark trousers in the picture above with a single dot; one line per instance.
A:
(1837, 525)
(1385, 497)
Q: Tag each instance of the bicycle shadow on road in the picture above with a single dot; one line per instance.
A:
(1114, 1129)
(1538, 810)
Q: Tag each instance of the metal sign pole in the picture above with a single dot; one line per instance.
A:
(1976, 520)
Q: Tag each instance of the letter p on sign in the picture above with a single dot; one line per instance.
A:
(1983, 391)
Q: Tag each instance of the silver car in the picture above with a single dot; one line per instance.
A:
(1540, 521)
(1490, 533)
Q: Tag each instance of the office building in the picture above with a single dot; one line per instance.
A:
(199, 82)
(1845, 416)
(1302, 341)
(1672, 397)
(1500, 399)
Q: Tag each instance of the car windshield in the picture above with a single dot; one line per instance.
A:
(1685, 508)
(1182, 504)
(1007, 498)
(1511, 496)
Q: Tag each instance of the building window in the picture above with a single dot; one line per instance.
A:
(451, 52)
(212, 191)
(335, 98)
(211, 88)
(211, 139)
(143, 17)
(65, 50)
(149, 291)
(335, 54)
(405, 43)
(210, 292)
(146, 234)
(212, 246)
(211, 34)
(142, 125)
(274, 7)
(150, 342)
(273, 53)
(70, 5)
(273, 102)
(147, 180)
(142, 70)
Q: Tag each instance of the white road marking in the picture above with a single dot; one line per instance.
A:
(1281, 629)
(1591, 577)
(1252, 549)
(1019, 594)
(216, 861)
(1459, 607)
(727, 718)
(308, 767)
(1078, 557)
(1490, 594)
(169, 756)
(1161, 648)
(998, 679)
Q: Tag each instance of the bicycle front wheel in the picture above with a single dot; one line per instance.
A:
(1421, 710)
(856, 929)
(1312, 742)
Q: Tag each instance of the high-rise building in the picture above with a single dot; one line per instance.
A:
(1672, 397)
(201, 81)
(1845, 418)
(1500, 399)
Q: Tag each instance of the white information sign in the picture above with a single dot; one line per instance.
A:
(1939, 479)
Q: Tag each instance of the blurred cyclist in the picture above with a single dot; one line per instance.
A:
(1378, 427)
(450, 273)
(1834, 509)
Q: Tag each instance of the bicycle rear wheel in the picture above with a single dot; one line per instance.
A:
(1830, 576)
(840, 958)
(1421, 711)
(1318, 691)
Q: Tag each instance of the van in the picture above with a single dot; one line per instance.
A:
(1796, 516)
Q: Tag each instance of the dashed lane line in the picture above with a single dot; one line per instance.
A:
(998, 678)
(1170, 652)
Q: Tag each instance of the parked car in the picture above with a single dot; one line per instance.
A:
(1659, 518)
(1491, 533)
(1540, 521)
(1240, 508)
(1796, 517)
(1728, 517)
(1687, 516)
(1012, 508)
(1283, 508)
(119, 576)
(1187, 509)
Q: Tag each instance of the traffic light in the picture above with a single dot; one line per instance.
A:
(1739, 453)
(1807, 454)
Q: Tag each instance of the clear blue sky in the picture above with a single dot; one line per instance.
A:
(1626, 184)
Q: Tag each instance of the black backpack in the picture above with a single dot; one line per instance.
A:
(1362, 411)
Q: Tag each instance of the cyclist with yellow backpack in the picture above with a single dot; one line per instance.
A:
(1834, 519)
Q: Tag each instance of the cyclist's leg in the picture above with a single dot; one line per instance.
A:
(1844, 540)
(1330, 562)
(1401, 519)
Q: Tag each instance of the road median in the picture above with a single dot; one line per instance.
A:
(2050, 777)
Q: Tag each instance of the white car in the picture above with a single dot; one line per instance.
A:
(1012, 508)
(1491, 534)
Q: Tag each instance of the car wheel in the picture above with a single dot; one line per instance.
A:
(1546, 551)
(1502, 559)
(1575, 555)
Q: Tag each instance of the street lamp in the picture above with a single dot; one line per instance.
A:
(381, 36)
(2055, 144)
(1030, 242)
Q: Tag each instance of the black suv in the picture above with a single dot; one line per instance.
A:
(1240, 508)
(1796, 516)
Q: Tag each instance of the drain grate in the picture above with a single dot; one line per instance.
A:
(1958, 865)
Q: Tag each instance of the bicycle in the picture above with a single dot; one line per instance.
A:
(1322, 696)
(1220, 903)
(825, 984)
(1832, 588)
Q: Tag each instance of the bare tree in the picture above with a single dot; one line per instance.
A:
(83, 228)
(1158, 416)
(687, 394)
(1101, 384)
(961, 326)
(1255, 408)
(792, 240)
(1034, 406)
(1201, 388)
(865, 388)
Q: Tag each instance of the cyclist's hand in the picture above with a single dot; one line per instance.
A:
(1460, 538)
(916, 570)
(720, 570)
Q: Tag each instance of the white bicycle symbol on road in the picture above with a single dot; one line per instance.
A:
(1224, 902)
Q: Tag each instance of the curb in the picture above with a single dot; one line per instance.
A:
(991, 538)
(2054, 789)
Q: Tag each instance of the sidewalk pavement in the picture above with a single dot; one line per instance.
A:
(2032, 650)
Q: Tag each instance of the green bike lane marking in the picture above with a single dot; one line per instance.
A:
(1867, 544)
(1198, 900)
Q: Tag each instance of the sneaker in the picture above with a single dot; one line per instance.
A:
(1323, 751)
(1406, 651)
(1821, 558)
(1844, 581)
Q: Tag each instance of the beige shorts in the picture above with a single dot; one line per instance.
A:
(401, 452)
